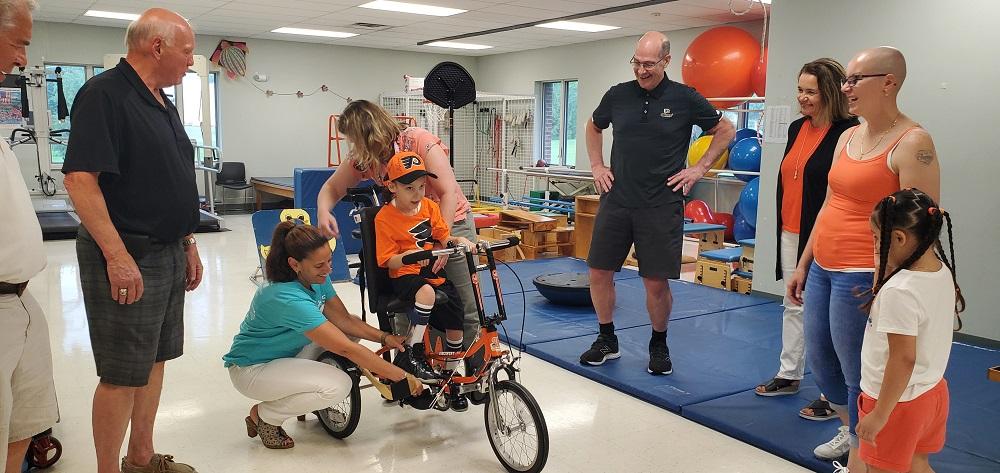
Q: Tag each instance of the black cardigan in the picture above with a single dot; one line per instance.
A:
(814, 181)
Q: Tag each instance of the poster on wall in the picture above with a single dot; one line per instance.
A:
(10, 106)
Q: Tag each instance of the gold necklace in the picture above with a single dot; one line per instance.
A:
(798, 156)
(868, 134)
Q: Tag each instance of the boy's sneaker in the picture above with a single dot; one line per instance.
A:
(659, 359)
(836, 447)
(457, 401)
(414, 362)
(604, 349)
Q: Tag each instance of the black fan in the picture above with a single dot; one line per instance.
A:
(449, 85)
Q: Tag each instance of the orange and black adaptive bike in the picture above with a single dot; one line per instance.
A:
(515, 425)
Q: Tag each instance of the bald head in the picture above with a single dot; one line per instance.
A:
(653, 44)
(882, 60)
(156, 23)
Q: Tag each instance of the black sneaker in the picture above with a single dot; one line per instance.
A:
(603, 349)
(659, 359)
(413, 361)
(457, 401)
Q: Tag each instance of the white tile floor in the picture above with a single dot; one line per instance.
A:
(592, 428)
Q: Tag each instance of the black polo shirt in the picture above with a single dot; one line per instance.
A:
(139, 147)
(652, 131)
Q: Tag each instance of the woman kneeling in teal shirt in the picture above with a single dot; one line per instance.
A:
(290, 321)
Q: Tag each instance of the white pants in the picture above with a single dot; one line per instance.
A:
(27, 393)
(793, 342)
(290, 387)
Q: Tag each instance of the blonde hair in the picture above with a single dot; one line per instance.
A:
(372, 132)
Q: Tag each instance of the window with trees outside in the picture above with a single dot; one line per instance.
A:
(557, 126)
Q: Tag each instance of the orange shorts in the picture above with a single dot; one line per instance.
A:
(916, 426)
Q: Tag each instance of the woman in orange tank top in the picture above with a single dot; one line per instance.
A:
(887, 152)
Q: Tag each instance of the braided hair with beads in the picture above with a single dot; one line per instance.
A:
(914, 212)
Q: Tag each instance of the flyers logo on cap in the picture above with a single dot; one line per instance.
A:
(410, 160)
(405, 167)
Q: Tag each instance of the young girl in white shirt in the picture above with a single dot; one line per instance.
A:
(915, 300)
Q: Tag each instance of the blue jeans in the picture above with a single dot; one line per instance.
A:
(834, 330)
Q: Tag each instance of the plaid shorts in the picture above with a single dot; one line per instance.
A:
(128, 339)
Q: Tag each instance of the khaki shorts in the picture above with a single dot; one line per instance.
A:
(27, 393)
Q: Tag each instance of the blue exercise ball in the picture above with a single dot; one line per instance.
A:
(742, 229)
(741, 134)
(748, 201)
(745, 156)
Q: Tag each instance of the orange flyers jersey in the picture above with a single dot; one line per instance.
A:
(396, 233)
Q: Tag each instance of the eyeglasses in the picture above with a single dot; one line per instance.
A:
(644, 65)
(853, 80)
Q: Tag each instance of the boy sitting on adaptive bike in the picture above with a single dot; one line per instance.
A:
(408, 224)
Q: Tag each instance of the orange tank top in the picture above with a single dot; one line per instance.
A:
(844, 240)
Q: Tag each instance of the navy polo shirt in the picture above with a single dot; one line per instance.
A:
(139, 147)
(652, 131)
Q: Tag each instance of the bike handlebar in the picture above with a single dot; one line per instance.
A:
(483, 245)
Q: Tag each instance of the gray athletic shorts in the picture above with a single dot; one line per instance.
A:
(657, 232)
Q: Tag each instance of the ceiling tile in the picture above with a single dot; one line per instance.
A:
(255, 18)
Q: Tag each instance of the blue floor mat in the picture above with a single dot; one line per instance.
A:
(953, 460)
(528, 269)
(773, 424)
(974, 413)
(547, 321)
(714, 355)
(690, 299)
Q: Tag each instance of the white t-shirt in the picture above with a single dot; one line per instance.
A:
(21, 251)
(915, 303)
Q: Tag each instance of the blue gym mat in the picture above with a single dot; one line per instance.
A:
(714, 355)
(547, 321)
(690, 299)
(773, 424)
(528, 269)
(974, 414)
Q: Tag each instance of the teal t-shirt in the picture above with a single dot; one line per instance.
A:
(279, 316)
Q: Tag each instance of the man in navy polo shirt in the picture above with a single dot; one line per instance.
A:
(130, 172)
(642, 193)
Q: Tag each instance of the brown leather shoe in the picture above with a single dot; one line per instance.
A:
(158, 464)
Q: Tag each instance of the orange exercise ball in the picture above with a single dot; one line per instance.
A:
(758, 77)
(718, 63)
(698, 148)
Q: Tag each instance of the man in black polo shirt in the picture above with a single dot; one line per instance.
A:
(642, 192)
(130, 172)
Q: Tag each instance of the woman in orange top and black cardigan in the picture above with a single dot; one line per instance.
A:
(802, 182)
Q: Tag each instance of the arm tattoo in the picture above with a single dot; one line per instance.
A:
(925, 157)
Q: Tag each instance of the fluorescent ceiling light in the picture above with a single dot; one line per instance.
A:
(111, 14)
(577, 26)
(449, 44)
(308, 32)
(414, 8)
